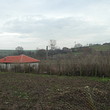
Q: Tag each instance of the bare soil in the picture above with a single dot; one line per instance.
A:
(20, 91)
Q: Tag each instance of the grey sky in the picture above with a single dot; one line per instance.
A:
(32, 23)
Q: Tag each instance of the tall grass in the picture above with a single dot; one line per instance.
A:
(81, 65)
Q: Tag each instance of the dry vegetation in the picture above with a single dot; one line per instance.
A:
(78, 65)
(21, 91)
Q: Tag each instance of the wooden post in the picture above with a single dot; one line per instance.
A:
(6, 67)
(46, 52)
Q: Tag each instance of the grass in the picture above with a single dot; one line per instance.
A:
(101, 79)
(101, 47)
(4, 53)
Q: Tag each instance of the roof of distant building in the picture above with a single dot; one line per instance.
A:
(18, 59)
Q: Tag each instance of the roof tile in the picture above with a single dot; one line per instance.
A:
(18, 59)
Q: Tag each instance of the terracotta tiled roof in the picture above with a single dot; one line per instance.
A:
(18, 59)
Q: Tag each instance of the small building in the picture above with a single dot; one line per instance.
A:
(10, 62)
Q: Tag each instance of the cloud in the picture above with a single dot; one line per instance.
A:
(36, 24)
(11, 41)
(33, 23)
(41, 28)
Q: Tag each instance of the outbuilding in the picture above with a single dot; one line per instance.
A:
(10, 62)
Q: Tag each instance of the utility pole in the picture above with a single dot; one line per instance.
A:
(46, 52)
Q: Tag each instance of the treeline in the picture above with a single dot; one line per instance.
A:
(43, 54)
(81, 61)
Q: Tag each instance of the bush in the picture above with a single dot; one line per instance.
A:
(81, 65)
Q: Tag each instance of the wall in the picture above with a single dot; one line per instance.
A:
(22, 66)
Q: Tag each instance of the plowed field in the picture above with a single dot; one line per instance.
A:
(20, 91)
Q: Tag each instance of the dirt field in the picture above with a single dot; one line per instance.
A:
(43, 92)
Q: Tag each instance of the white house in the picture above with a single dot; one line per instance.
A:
(22, 60)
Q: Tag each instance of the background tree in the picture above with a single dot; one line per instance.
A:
(41, 54)
(78, 45)
(52, 44)
(19, 50)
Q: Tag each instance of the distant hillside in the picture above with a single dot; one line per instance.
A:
(42, 52)
(4, 53)
(104, 47)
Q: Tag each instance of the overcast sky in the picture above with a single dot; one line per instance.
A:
(32, 23)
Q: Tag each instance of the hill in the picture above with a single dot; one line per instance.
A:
(101, 47)
(4, 53)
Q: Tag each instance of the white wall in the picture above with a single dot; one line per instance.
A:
(10, 66)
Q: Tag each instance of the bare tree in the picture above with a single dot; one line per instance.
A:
(19, 50)
(52, 44)
(78, 45)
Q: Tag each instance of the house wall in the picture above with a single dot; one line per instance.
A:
(10, 66)
(3, 66)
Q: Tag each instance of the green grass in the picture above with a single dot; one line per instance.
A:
(4, 53)
(101, 79)
(101, 47)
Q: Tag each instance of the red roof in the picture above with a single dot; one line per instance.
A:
(18, 59)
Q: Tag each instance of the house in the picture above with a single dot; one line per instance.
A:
(10, 62)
